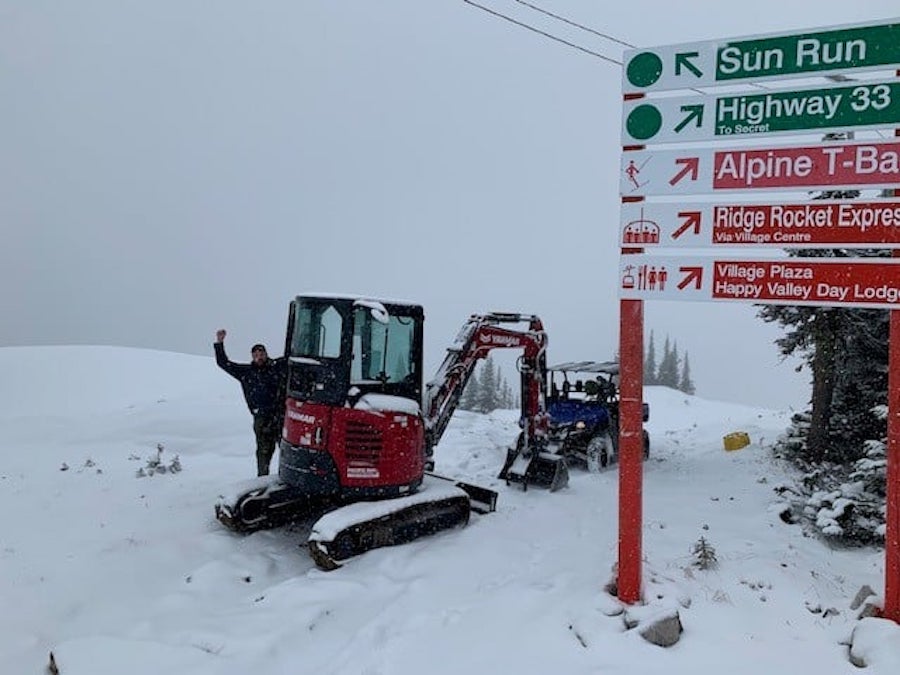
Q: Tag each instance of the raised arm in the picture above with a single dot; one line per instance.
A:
(233, 369)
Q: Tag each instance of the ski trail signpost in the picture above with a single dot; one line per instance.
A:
(823, 223)
(726, 174)
(841, 49)
(704, 118)
(856, 282)
(796, 168)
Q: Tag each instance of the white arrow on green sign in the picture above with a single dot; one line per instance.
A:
(838, 49)
(867, 105)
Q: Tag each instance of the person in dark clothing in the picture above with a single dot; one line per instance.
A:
(263, 382)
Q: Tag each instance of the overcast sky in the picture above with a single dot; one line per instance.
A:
(168, 168)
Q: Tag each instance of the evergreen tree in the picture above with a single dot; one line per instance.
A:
(860, 385)
(506, 396)
(668, 367)
(650, 362)
(470, 394)
(846, 352)
(839, 443)
(686, 384)
(665, 358)
(843, 483)
(487, 388)
(673, 376)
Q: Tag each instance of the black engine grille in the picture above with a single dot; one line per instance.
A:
(364, 443)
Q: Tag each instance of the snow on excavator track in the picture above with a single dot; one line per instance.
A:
(262, 503)
(356, 528)
(345, 531)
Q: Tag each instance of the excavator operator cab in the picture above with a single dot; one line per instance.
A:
(353, 420)
(342, 348)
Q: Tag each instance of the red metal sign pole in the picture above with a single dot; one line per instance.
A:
(892, 477)
(631, 439)
(631, 377)
(892, 515)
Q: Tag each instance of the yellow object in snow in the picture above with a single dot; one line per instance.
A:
(736, 440)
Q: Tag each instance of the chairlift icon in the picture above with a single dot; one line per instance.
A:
(641, 231)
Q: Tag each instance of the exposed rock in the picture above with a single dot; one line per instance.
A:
(657, 618)
(663, 631)
(630, 620)
(869, 609)
(861, 595)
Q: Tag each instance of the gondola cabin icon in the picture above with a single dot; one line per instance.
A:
(641, 231)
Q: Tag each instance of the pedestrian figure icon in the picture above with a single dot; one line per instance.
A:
(649, 278)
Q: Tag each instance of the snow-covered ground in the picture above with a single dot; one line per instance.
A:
(117, 572)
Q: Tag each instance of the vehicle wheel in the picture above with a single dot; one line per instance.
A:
(598, 452)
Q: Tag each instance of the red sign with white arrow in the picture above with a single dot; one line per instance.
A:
(811, 224)
(846, 282)
(701, 170)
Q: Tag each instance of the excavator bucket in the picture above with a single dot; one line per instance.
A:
(542, 469)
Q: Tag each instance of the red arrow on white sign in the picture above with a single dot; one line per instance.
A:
(848, 282)
(691, 219)
(691, 275)
(690, 166)
(833, 166)
(813, 224)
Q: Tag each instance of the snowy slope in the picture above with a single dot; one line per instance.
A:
(119, 573)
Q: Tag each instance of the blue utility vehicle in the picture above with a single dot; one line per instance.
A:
(583, 405)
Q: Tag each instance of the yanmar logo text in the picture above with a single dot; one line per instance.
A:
(501, 340)
(301, 417)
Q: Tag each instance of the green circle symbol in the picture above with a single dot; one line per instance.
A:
(643, 122)
(644, 69)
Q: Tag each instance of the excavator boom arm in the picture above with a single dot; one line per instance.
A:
(479, 335)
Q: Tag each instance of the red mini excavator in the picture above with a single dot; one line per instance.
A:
(360, 429)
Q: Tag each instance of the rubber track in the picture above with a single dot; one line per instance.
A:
(399, 527)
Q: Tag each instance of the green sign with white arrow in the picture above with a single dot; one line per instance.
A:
(694, 118)
(778, 55)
